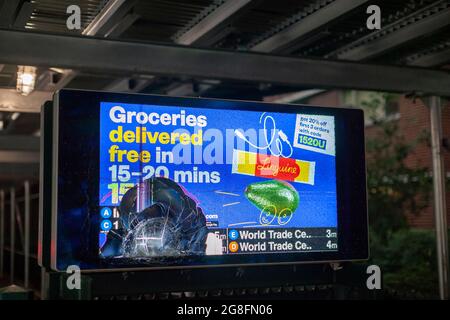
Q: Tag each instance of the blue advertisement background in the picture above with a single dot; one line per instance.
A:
(317, 205)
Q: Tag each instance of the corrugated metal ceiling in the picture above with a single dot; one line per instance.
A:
(50, 15)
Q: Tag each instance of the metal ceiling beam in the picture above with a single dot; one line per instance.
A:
(24, 15)
(13, 102)
(281, 41)
(26, 123)
(432, 60)
(216, 20)
(130, 84)
(107, 18)
(94, 54)
(412, 31)
(18, 157)
(123, 25)
(8, 11)
(18, 171)
(19, 143)
(183, 89)
(108, 14)
(210, 28)
(287, 40)
(216, 37)
(111, 22)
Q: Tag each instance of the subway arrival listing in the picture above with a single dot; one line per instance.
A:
(280, 240)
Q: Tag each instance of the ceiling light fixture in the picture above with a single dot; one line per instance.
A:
(26, 79)
(14, 116)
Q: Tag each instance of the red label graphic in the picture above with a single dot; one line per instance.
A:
(276, 167)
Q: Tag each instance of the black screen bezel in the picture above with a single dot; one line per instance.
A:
(79, 111)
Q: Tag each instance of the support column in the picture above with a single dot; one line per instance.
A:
(12, 204)
(2, 231)
(440, 212)
(27, 234)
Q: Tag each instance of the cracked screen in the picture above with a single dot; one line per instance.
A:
(181, 181)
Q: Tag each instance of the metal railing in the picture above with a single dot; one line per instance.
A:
(23, 227)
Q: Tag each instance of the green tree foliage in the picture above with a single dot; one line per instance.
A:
(408, 264)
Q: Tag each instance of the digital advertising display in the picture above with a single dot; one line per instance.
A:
(146, 181)
(189, 181)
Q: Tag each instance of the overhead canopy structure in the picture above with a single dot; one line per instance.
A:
(206, 47)
(414, 33)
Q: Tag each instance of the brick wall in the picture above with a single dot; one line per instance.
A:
(327, 99)
(415, 118)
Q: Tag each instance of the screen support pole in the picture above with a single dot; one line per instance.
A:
(27, 234)
(2, 230)
(440, 212)
(12, 204)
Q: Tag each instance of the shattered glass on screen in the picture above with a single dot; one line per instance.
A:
(157, 218)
